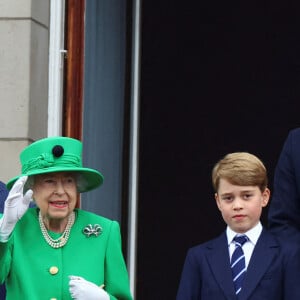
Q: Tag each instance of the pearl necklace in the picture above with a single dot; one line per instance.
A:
(62, 240)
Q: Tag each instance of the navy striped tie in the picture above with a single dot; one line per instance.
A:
(237, 264)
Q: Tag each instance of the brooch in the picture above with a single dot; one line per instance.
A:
(90, 230)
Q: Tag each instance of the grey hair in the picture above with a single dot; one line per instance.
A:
(81, 182)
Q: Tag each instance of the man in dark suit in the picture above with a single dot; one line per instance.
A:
(227, 268)
(284, 210)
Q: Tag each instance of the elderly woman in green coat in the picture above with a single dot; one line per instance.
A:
(55, 250)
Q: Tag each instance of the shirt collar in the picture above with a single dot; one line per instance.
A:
(253, 234)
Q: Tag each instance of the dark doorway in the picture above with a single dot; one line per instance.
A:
(214, 79)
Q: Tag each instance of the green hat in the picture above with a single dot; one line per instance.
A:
(57, 154)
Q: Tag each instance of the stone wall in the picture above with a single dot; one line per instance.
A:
(24, 47)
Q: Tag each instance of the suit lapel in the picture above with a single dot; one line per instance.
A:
(262, 256)
(218, 259)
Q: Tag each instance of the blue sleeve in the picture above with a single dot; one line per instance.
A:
(284, 209)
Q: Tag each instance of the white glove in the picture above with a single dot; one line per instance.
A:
(15, 206)
(81, 289)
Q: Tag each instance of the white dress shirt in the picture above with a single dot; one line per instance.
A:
(253, 235)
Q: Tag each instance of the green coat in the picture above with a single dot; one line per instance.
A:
(27, 261)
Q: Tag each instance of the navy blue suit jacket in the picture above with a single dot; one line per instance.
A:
(273, 272)
(3, 195)
(284, 209)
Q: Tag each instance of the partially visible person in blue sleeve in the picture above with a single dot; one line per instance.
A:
(3, 195)
(284, 209)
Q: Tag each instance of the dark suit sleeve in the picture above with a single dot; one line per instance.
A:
(292, 273)
(190, 282)
(284, 210)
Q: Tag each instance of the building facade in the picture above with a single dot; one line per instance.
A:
(24, 27)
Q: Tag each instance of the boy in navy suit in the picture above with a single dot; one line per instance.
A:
(257, 268)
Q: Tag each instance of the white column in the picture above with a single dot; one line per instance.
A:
(134, 142)
(56, 63)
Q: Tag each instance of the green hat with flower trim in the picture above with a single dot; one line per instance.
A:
(57, 154)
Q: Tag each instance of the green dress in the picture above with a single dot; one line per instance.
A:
(34, 270)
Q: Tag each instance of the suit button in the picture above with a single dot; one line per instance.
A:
(53, 270)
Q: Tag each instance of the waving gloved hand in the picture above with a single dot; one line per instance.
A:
(15, 205)
(81, 289)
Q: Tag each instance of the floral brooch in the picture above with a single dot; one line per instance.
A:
(90, 230)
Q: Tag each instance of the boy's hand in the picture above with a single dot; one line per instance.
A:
(16, 204)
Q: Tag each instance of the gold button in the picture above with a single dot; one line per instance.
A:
(53, 270)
